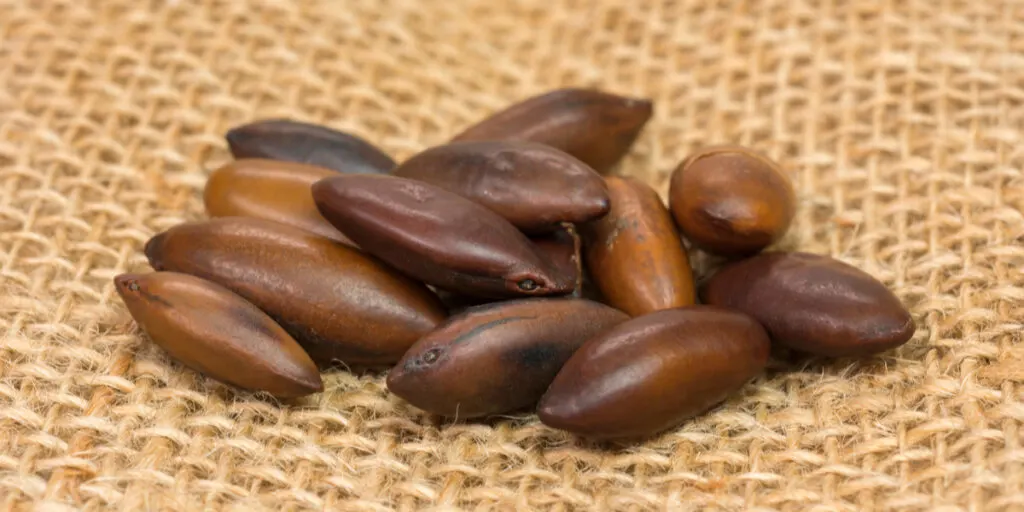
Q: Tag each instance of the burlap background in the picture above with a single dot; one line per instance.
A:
(902, 121)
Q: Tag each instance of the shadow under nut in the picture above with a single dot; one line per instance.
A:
(339, 303)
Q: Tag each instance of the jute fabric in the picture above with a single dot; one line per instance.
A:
(901, 121)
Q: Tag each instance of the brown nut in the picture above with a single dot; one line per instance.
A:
(217, 333)
(269, 189)
(813, 303)
(497, 357)
(305, 143)
(597, 127)
(561, 250)
(533, 186)
(635, 255)
(731, 201)
(652, 372)
(339, 303)
(436, 236)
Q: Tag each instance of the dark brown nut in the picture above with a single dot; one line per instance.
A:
(561, 250)
(304, 143)
(498, 357)
(731, 201)
(813, 303)
(217, 333)
(597, 127)
(436, 236)
(652, 372)
(272, 190)
(635, 255)
(533, 186)
(340, 304)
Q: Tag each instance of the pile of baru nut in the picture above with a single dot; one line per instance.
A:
(504, 270)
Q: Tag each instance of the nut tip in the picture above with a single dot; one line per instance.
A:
(153, 250)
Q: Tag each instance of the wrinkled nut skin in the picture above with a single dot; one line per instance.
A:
(217, 333)
(731, 201)
(651, 373)
(304, 143)
(498, 357)
(338, 303)
(272, 190)
(533, 186)
(597, 127)
(812, 303)
(635, 254)
(436, 236)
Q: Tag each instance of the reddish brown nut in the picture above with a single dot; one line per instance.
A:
(652, 372)
(436, 236)
(533, 186)
(305, 143)
(731, 201)
(339, 303)
(597, 127)
(215, 332)
(813, 303)
(498, 357)
(269, 189)
(635, 255)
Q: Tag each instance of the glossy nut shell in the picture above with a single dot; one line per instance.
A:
(339, 303)
(436, 236)
(653, 372)
(533, 186)
(305, 143)
(814, 304)
(597, 127)
(731, 201)
(497, 357)
(635, 255)
(272, 190)
(218, 333)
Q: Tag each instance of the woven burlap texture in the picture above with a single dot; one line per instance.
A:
(901, 122)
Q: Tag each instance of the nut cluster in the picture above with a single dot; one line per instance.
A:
(503, 270)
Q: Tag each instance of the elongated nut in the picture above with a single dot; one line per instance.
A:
(635, 254)
(339, 303)
(597, 127)
(497, 357)
(436, 236)
(305, 143)
(813, 303)
(215, 332)
(652, 372)
(272, 190)
(533, 186)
